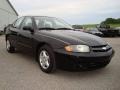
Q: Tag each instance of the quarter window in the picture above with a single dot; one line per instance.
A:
(18, 22)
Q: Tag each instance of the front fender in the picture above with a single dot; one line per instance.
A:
(55, 43)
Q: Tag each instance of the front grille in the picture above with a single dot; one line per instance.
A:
(102, 48)
(99, 46)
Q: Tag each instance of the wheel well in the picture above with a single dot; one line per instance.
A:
(42, 44)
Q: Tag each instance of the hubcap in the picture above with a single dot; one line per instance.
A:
(44, 59)
(8, 45)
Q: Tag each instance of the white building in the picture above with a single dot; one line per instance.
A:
(7, 13)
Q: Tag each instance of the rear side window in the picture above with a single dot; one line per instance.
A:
(18, 22)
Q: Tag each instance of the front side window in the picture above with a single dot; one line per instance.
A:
(27, 22)
(18, 22)
(50, 22)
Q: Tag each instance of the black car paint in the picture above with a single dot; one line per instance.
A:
(57, 40)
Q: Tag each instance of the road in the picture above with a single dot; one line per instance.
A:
(20, 71)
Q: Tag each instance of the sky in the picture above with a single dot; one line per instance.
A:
(72, 11)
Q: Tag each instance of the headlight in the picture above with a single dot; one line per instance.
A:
(77, 48)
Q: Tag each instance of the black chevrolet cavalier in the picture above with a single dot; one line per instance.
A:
(54, 41)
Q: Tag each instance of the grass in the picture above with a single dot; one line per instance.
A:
(115, 25)
(94, 25)
(89, 25)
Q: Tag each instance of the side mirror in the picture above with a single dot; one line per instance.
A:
(27, 28)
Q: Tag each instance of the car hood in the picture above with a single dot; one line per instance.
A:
(74, 37)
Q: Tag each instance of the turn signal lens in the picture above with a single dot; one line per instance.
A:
(68, 48)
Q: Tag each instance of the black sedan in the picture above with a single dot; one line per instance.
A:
(107, 30)
(94, 31)
(53, 41)
(118, 28)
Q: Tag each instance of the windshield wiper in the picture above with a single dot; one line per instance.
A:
(64, 29)
(47, 28)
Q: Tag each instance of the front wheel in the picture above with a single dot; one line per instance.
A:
(46, 59)
(9, 47)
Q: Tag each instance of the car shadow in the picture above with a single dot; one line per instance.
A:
(80, 73)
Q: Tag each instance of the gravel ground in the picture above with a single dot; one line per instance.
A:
(20, 71)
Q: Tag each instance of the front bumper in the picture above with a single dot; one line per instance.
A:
(76, 60)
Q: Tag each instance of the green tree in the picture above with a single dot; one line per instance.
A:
(111, 21)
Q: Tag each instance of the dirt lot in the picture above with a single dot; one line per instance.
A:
(20, 71)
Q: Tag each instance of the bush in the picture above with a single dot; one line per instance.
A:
(111, 21)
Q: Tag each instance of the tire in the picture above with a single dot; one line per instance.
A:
(46, 59)
(9, 47)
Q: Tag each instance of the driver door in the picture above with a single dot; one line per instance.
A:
(25, 36)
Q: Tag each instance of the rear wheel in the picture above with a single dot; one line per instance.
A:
(46, 59)
(9, 47)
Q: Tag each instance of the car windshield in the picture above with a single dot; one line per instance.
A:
(51, 23)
